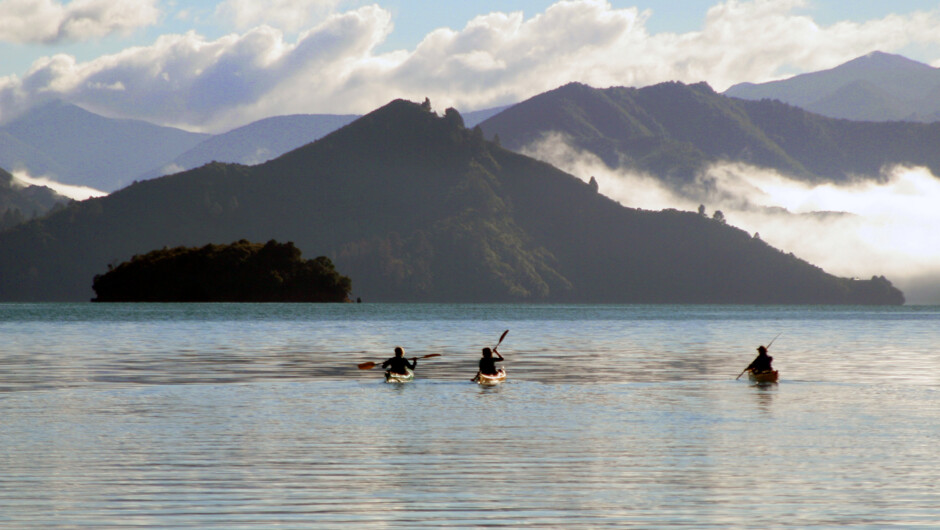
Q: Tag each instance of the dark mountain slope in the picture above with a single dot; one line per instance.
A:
(838, 150)
(686, 127)
(19, 203)
(270, 138)
(414, 207)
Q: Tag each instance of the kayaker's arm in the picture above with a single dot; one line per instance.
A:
(751, 366)
(414, 363)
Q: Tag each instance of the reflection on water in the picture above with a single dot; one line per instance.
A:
(231, 416)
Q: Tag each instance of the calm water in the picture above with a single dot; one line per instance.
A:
(228, 416)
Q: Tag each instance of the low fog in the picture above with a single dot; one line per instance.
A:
(79, 193)
(861, 229)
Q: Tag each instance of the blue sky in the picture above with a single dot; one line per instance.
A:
(215, 64)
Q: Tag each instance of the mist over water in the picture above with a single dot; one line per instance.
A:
(858, 229)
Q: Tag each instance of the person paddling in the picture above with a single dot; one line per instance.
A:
(398, 364)
(488, 362)
(761, 363)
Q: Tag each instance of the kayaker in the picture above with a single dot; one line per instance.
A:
(488, 362)
(761, 363)
(398, 364)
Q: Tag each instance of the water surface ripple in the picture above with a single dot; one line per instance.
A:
(255, 415)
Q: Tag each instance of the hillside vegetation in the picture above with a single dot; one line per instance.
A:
(19, 203)
(674, 131)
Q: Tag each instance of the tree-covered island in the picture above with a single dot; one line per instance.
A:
(239, 272)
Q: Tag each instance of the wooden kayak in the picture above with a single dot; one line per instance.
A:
(764, 377)
(391, 377)
(484, 379)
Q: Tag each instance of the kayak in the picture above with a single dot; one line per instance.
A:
(484, 379)
(400, 378)
(764, 377)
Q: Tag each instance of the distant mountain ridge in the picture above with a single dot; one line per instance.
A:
(270, 138)
(71, 145)
(413, 207)
(256, 142)
(874, 87)
(674, 131)
(74, 146)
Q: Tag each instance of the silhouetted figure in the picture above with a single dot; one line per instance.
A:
(762, 362)
(398, 364)
(488, 362)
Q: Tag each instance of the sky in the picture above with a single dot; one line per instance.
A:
(212, 65)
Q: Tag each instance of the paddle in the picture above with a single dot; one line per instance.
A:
(370, 365)
(500, 341)
(771, 342)
(501, 337)
(768, 349)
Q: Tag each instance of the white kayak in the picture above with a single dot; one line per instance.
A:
(484, 379)
(391, 377)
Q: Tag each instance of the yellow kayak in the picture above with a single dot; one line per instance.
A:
(764, 377)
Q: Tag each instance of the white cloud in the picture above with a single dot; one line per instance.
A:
(630, 188)
(859, 230)
(79, 193)
(288, 15)
(189, 81)
(50, 21)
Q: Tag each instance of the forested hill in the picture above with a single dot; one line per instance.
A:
(21, 202)
(412, 206)
(674, 130)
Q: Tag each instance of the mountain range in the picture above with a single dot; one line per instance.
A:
(675, 131)
(874, 87)
(333, 196)
(416, 207)
(71, 145)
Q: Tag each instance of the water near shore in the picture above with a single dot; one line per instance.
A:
(242, 415)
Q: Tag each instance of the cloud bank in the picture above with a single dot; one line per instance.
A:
(861, 230)
(200, 84)
(49, 21)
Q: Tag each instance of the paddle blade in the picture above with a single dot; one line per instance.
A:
(430, 355)
(501, 337)
(367, 366)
